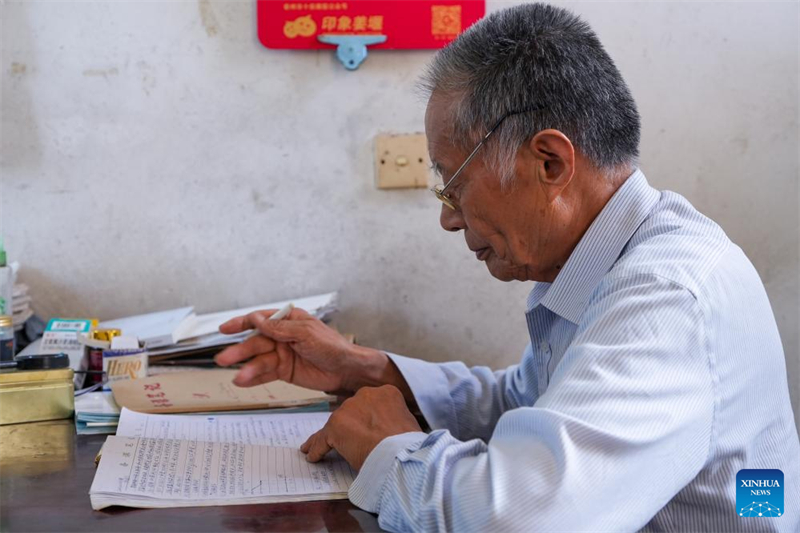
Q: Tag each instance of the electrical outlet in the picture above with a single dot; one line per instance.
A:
(401, 161)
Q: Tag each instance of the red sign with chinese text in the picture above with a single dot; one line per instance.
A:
(408, 24)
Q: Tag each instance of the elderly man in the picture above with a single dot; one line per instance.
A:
(655, 371)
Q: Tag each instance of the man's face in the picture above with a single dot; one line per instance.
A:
(510, 228)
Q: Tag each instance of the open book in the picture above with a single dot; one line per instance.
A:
(192, 460)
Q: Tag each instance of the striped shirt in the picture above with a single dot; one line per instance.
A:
(654, 374)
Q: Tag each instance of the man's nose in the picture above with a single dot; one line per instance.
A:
(451, 219)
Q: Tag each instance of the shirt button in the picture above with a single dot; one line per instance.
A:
(544, 346)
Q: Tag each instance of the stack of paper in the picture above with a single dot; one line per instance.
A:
(96, 412)
(181, 332)
(183, 461)
(202, 325)
(153, 329)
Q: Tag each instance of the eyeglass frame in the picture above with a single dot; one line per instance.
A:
(439, 190)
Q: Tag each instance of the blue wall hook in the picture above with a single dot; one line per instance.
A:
(352, 49)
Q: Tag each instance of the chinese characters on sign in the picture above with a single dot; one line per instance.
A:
(314, 6)
(361, 23)
(305, 26)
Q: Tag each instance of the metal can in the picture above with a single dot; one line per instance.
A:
(32, 395)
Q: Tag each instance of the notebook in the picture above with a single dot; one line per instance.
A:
(176, 331)
(188, 461)
(208, 390)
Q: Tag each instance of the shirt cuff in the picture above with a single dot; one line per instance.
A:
(366, 490)
(431, 390)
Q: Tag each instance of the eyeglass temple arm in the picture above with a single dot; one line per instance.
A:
(485, 138)
(472, 155)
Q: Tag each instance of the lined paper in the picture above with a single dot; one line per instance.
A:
(285, 430)
(153, 472)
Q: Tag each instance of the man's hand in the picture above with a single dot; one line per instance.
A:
(300, 349)
(277, 353)
(360, 424)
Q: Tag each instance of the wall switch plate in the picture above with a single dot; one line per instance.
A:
(401, 161)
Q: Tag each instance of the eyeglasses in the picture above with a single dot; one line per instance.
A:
(439, 190)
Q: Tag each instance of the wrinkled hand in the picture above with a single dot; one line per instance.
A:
(298, 349)
(360, 424)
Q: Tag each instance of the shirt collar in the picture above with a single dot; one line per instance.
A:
(537, 293)
(598, 250)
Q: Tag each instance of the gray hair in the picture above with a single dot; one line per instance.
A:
(529, 55)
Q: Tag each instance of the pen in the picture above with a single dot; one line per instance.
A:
(281, 313)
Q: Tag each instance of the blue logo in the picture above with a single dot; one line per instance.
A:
(759, 493)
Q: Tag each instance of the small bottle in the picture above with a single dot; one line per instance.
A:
(7, 342)
(95, 353)
(6, 284)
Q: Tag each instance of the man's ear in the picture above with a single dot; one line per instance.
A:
(553, 157)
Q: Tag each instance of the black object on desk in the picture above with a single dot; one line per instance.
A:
(38, 362)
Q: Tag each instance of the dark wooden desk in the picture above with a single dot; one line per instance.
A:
(46, 471)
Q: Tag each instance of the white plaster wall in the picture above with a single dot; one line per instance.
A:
(156, 155)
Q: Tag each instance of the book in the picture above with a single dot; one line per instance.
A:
(199, 326)
(188, 461)
(97, 412)
(202, 331)
(208, 390)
